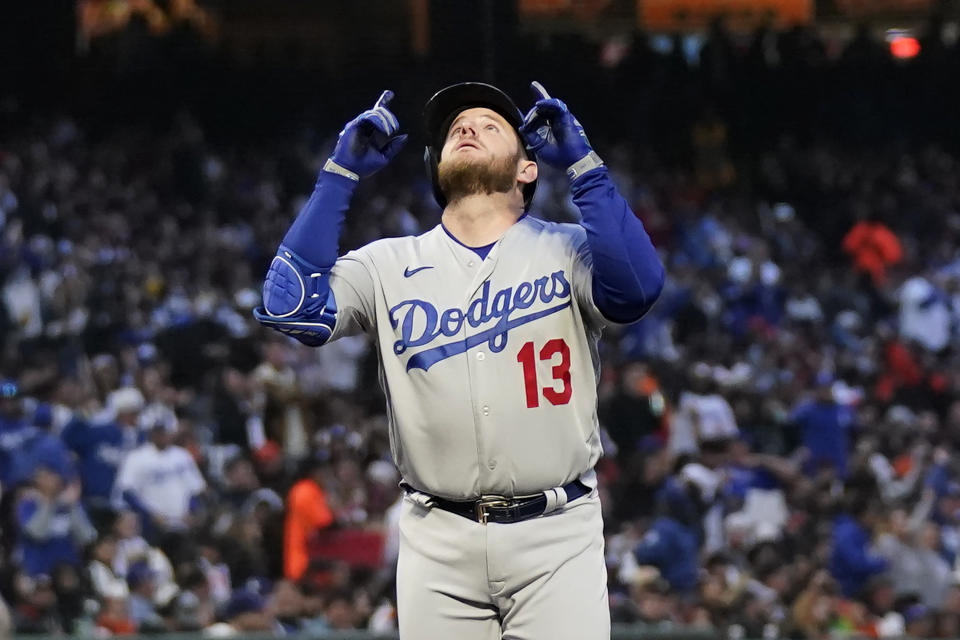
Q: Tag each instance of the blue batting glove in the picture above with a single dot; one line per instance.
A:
(556, 136)
(368, 142)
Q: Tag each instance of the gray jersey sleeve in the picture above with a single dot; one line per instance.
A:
(583, 280)
(354, 291)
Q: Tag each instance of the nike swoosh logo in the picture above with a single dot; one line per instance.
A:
(409, 272)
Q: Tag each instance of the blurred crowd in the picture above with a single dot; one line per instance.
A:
(780, 431)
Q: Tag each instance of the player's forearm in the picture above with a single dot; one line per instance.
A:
(365, 145)
(297, 299)
(315, 235)
(627, 273)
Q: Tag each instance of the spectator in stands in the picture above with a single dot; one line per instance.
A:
(702, 415)
(283, 417)
(654, 605)
(217, 573)
(245, 613)
(314, 600)
(307, 513)
(160, 481)
(814, 611)
(35, 606)
(753, 618)
(240, 482)
(286, 601)
(340, 612)
(106, 582)
(70, 595)
(42, 448)
(114, 617)
(925, 315)
(636, 410)
(143, 591)
(14, 429)
(912, 551)
(25, 442)
(131, 546)
(824, 426)
(235, 411)
(755, 482)
(52, 525)
(671, 542)
(242, 550)
(881, 602)
(101, 447)
(852, 561)
(194, 608)
(874, 248)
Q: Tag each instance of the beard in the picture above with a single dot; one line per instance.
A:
(461, 177)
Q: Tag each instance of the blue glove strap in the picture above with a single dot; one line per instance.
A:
(333, 167)
(588, 162)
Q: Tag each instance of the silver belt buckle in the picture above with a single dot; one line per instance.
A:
(487, 502)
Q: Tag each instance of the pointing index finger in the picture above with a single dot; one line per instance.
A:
(538, 88)
(385, 98)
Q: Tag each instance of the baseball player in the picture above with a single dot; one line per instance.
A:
(486, 328)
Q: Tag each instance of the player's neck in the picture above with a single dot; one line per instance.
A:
(479, 220)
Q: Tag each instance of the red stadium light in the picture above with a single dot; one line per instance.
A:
(904, 47)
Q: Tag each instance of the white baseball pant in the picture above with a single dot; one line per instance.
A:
(539, 579)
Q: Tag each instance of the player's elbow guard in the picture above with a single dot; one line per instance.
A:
(297, 299)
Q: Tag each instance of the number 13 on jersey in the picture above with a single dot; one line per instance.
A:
(527, 357)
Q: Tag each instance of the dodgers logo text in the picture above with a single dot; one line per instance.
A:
(421, 323)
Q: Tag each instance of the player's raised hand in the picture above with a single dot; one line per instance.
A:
(553, 133)
(369, 141)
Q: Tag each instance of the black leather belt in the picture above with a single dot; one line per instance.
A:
(505, 510)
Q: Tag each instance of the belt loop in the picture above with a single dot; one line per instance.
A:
(419, 498)
(556, 499)
(423, 500)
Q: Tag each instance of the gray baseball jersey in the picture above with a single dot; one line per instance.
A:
(489, 365)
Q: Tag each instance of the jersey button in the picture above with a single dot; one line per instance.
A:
(492, 463)
(471, 263)
(480, 355)
(486, 410)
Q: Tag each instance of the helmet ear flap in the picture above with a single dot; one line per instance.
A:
(431, 158)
